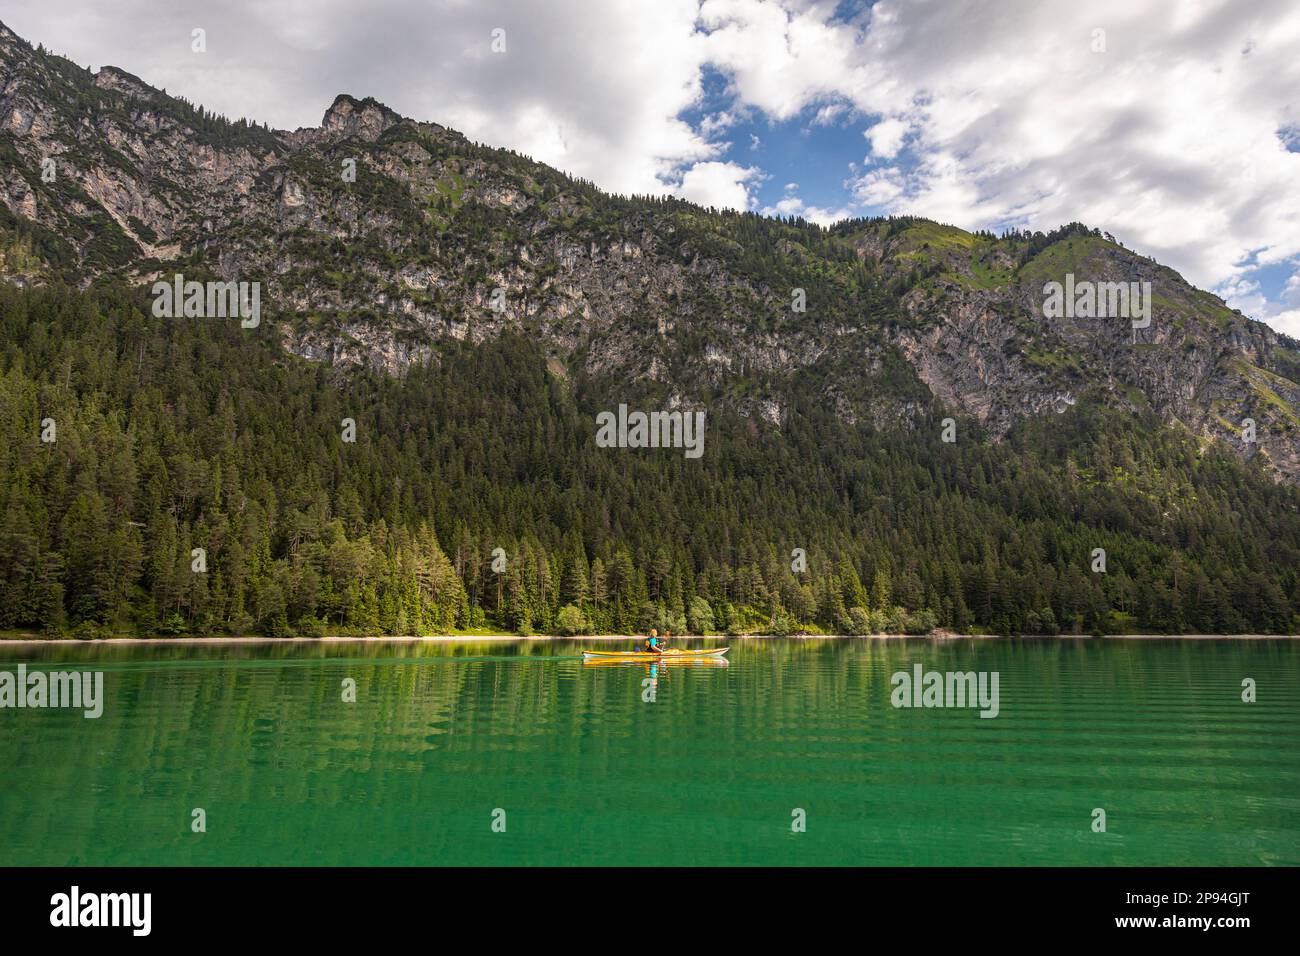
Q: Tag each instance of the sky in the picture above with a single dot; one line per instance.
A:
(1175, 126)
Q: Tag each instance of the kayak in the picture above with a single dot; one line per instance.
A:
(676, 660)
(672, 654)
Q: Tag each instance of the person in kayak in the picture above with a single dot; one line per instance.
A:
(652, 642)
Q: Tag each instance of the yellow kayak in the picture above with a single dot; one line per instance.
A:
(674, 661)
(672, 654)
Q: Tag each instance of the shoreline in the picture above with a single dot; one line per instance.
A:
(515, 638)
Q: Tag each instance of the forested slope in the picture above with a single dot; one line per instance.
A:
(172, 435)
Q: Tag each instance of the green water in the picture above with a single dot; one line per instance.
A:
(708, 772)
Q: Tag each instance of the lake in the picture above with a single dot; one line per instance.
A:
(499, 753)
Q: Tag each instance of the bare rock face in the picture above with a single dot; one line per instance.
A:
(119, 81)
(376, 237)
(350, 119)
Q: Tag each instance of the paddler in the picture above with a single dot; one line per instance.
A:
(652, 642)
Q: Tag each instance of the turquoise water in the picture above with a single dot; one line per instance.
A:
(628, 764)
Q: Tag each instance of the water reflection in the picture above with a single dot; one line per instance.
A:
(261, 736)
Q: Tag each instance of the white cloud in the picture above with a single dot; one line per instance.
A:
(886, 137)
(880, 187)
(716, 123)
(725, 185)
(830, 114)
(794, 206)
(1283, 313)
(1287, 321)
(780, 59)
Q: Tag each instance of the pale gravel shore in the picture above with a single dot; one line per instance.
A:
(514, 638)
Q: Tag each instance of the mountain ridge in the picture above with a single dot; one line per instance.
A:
(555, 255)
(178, 184)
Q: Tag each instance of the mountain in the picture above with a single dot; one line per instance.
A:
(473, 312)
